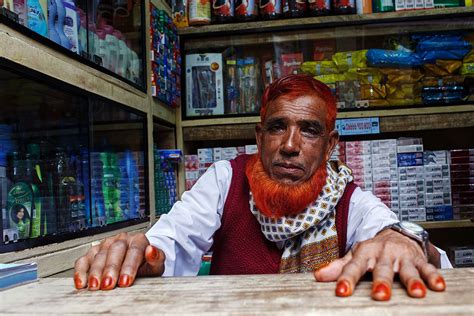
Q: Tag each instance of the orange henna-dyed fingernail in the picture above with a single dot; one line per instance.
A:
(124, 280)
(93, 283)
(77, 281)
(153, 254)
(440, 284)
(417, 289)
(106, 283)
(343, 289)
(381, 291)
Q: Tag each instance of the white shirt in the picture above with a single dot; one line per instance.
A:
(186, 232)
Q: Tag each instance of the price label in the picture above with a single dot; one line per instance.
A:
(358, 126)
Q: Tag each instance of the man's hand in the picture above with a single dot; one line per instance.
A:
(389, 252)
(121, 258)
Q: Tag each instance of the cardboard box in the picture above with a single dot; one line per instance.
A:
(204, 85)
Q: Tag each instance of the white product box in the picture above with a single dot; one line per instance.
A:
(409, 149)
(409, 190)
(384, 143)
(429, 4)
(405, 141)
(205, 155)
(444, 182)
(217, 153)
(411, 170)
(352, 159)
(385, 184)
(362, 178)
(359, 143)
(433, 175)
(204, 85)
(416, 176)
(251, 149)
(366, 164)
(387, 191)
(436, 157)
(433, 168)
(419, 4)
(399, 5)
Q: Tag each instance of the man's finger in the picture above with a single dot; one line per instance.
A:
(351, 274)
(134, 259)
(410, 278)
(432, 277)
(382, 273)
(155, 262)
(97, 265)
(331, 272)
(81, 267)
(113, 264)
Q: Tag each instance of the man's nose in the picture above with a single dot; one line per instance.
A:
(291, 142)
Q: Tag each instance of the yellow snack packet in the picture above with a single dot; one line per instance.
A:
(317, 68)
(404, 101)
(469, 58)
(442, 67)
(395, 75)
(352, 59)
(467, 69)
(332, 78)
(364, 75)
(442, 81)
(405, 90)
(373, 91)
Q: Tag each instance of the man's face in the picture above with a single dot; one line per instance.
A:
(293, 140)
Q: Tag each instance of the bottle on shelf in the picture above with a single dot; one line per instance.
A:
(33, 177)
(20, 200)
(294, 8)
(47, 174)
(319, 7)
(59, 24)
(246, 10)
(65, 192)
(222, 11)
(269, 9)
(52, 15)
(343, 6)
(36, 16)
(199, 12)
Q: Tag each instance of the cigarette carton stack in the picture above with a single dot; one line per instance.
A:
(359, 159)
(462, 256)
(462, 183)
(191, 166)
(339, 152)
(410, 179)
(205, 158)
(385, 172)
(437, 186)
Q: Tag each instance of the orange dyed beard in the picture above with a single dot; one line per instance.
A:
(275, 199)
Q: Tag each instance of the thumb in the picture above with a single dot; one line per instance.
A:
(332, 271)
(154, 262)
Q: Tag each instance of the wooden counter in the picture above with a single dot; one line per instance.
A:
(257, 294)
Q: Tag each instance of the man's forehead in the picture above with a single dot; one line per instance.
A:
(310, 107)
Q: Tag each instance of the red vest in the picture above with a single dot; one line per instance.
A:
(239, 245)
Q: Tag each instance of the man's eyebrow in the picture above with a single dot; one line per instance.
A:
(274, 120)
(311, 123)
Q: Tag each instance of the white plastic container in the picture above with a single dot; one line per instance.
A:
(71, 25)
(103, 51)
(112, 44)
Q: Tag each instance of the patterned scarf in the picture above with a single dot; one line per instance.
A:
(309, 238)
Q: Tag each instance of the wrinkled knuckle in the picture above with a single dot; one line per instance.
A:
(122, 235)
(112, 267)
(118, 245)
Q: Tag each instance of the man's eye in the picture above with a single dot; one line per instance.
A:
(275, 127)
(312, 132)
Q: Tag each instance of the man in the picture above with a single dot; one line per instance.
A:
(285, 209)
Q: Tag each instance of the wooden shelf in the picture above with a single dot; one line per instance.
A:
(448, 224)
(285, 24)
(401, 120)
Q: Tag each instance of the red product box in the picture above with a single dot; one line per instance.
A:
(462, 166)
(324, 49)
(384, 184)
(464, 181)
(462, 160)
(291, 63)
(462, 173)
(462, 152)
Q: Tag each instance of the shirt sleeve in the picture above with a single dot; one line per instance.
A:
(186, 232)
(368, 215)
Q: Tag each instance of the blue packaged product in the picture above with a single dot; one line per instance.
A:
(392, 58)
(410, 159)
(85, 181)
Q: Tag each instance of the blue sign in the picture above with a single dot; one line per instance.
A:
(358, 126)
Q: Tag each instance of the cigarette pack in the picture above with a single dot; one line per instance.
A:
(462, 160)
(358, 151)
(462, 166)
(359, 144)
(429, 4)
(362, 178)
(205, 155)
(410, 159)
(418, 184)
(405, 141)
(419, 4)
(366, 164)
(217, 153)
(462, 152)
(365, 159)
(251, 149)
(385, 184)
(462, 252)
(410, 176)
(387, 191)
(433, 175)
(394, 204)
(435, 157)
(377, 177)
(438, 182)
(384, 143)
(411, 170)
(409, 149)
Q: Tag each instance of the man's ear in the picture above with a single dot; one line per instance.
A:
(332, 142)
(258, 135)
